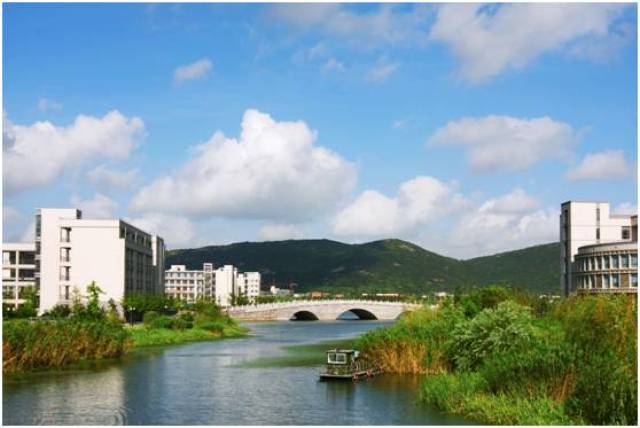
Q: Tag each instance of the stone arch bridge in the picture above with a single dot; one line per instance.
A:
(324, 310)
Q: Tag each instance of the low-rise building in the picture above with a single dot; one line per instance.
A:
(18, 271)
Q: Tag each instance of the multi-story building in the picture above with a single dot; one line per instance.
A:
(219, 285)
(594, 247)
(248, 285)
(18, 271)
(71, 252)
(190, 285)
(225, 284)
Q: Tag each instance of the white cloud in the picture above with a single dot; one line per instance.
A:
(333, 64)
(107, 178)
(488, 231)
(177, 231)
(192, 71)
(273, 171)
(516, 202)
(279, 232)
(45, 105)
(387, 24)
(99, 207)
(503, 142)
(381, 71)
(609, 164)
(400, 124)
(37, 154)
(419, 201)
(487, 39)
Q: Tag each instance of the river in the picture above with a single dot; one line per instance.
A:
(268, 378)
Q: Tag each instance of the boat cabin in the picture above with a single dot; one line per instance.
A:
(341, 357)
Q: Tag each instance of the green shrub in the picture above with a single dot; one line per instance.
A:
(162, 321)
(507, 327)
(213, 326)
(150, 317)
(58, 312)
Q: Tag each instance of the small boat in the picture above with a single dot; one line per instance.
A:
(345, 364)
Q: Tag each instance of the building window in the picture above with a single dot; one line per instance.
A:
(625, 261)
(598, 263)
(614, 262)
(626, 232)
(598, 234)
(634, 280)
(605, 263)
(65, 234)
(634, 260)
(605, 281)
(598, 214)
(614, 281)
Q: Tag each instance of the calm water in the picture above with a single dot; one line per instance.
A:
(219, 383)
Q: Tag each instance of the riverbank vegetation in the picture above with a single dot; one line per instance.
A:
(89, 331)
(502, 357)
(202, 321)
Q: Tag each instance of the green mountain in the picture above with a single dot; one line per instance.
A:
(389, 265)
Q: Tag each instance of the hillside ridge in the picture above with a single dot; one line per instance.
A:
(386, 265)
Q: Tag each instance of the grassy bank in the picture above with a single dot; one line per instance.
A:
(142, 335)
(499, 357)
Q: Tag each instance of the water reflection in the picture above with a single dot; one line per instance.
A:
(206, 384)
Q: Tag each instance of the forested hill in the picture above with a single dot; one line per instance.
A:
(390, 265)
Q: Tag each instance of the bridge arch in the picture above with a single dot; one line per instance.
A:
(303, 316)
(362, 314)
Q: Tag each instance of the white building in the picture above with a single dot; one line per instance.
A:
(248, 285)
(18, 271)
(225, 284)
(72, 252)
(590, 224)
(190, 285)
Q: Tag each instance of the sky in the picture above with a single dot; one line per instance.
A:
(459, 127)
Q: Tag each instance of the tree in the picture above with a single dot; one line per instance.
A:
(30, 306)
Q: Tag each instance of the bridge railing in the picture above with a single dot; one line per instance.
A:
(307, 302)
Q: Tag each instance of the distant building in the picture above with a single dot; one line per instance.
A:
(18, 271)
(219, 285)
(71, 252)
(248, 285)
(190, 285)
(598, 250)
(275, 291)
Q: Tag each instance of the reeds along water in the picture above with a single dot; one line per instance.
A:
(32, 345)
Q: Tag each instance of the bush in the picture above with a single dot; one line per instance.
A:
(149, 317)
(161, 321)
(482, 298)
(58, 312)
(213, 326)
(508, 327)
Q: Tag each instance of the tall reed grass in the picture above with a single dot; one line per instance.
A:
(39, 344)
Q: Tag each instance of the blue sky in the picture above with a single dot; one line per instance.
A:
(458, 127)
